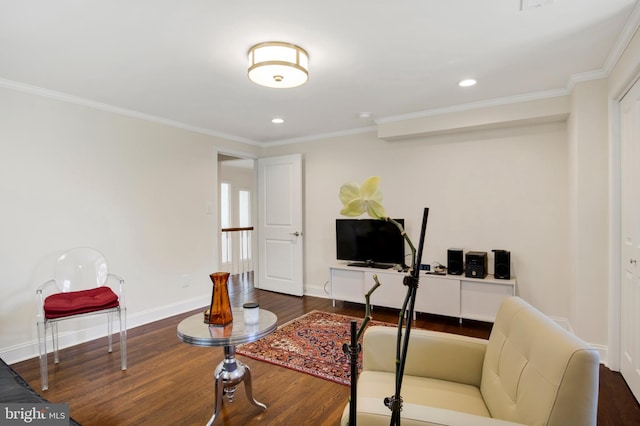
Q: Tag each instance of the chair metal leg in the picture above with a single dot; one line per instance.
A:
(54, 338)
(110, 330)
(122, 319)
(42, 351)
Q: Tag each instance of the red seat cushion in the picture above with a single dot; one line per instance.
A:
(79, 302)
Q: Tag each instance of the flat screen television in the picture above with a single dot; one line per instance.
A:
(369, 242)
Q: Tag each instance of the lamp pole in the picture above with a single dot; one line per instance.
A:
(354, 348)
(394, 403)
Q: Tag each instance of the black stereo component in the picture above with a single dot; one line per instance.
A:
(502, 264)
(476, 264)
(455, 265)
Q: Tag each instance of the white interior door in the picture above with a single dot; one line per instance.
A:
(630, 240)
(280, 244)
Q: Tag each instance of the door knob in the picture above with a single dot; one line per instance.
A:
(297, 234)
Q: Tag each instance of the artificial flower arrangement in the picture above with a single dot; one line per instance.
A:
(367, 198)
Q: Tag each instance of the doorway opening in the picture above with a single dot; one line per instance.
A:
(236, 180)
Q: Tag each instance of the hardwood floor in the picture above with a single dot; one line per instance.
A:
(171, 383)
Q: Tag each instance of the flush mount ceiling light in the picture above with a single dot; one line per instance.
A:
(277, 64)
(467, 83)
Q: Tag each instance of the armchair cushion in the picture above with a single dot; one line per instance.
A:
(422, 391)
(79, 302)
(431, 354)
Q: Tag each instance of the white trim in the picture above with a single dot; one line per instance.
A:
(624, 38)
(476, 105)
(315, 291)
(234, 153)
(585, 76)
(563, 323)
(603, 350)
(63, 97)
(321, 136)
(39, 91)
(615, 304)
(631, 26)
(615, 292)
(615, 237)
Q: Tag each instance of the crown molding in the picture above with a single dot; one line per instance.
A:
(63, 97)
(318, 136)
(475, 105)
(623, 40)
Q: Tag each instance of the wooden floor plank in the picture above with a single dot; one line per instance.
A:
(171, 383)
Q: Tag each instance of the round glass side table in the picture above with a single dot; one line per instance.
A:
(231, 371)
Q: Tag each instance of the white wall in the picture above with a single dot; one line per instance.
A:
(77, 176)
(589, 188)
(502, 188)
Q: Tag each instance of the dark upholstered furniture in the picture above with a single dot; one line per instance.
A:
(14, 388)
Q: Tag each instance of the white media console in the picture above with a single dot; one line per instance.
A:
(450, 295)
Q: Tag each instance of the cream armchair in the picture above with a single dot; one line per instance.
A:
(529, 372)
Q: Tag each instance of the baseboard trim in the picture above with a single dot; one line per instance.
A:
(315, 292)
(29, 350)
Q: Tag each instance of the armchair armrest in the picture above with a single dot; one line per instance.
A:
(431, 354)
(120, 290)
(41, 288)
(41, 294)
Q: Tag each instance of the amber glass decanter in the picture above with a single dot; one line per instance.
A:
(219, 312)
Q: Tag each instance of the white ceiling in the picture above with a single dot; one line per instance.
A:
(184, 61)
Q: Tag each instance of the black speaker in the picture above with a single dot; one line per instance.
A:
(476, 264)
(454, 262)
(502, 264)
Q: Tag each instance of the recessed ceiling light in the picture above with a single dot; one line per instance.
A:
(277, 120)
(467, 83)
(364, 115)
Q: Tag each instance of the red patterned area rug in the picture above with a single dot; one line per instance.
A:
(310, 344)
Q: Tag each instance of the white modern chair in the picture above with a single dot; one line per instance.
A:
(79, 288)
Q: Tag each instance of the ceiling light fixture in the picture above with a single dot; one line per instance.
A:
(467, 83)
(277, 120)
(279, 65)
